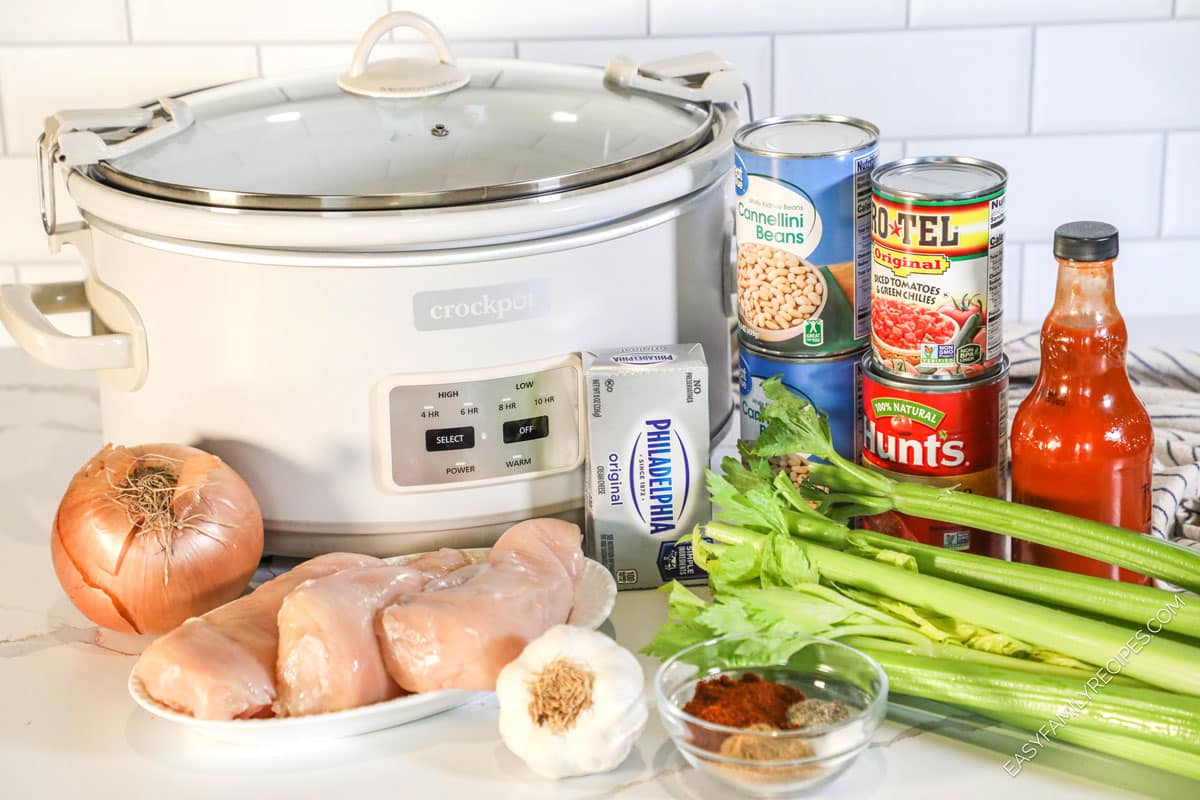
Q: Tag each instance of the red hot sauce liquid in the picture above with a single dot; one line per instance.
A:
(1082, 442)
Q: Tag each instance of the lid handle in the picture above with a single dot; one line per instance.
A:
(699, 77)
(403, 77)
(72, 138)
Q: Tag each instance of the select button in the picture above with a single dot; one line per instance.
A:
(524, 430)
(438, 439)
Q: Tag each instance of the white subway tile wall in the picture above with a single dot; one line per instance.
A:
(530, 19)
(672, 17)
(1148, 274)
(253, 21)
(1128, 77)
(63, 21)
(1181, 216)
(1092, 105)
(948, 13)
(911, 83)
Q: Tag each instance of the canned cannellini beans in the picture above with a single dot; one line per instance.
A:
(949, 433)
(803, 232)
(937, 261)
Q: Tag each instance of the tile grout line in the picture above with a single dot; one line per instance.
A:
(258, 59)
(771, 73)
(907, 14)
(1033, 37)
(1049, 23)
(1047, 135)
(128, 23)
(647, 17)
(739, 34)
(1162, 187)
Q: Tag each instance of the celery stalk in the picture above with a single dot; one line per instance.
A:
(1123, 601)
(1160, 662)
(795, 426)
(1131, 748)
(1143, 713)
(1135, 551)
(1116, 600)
(950, 652)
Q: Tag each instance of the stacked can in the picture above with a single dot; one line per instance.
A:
(803, 228)
(935, 381)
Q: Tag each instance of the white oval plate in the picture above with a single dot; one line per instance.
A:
(595, 595)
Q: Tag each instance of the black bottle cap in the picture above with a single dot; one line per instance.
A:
(1085, 241)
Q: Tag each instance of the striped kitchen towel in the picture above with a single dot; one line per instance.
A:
(1168, 382)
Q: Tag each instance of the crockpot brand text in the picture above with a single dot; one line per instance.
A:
(496, 308)
(481, 305)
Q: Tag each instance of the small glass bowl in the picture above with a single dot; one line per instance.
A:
(774, 763)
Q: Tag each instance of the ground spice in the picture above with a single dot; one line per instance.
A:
(768, 749)
(813, 713)
(740, 703)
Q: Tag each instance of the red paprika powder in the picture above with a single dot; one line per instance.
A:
(742, 702)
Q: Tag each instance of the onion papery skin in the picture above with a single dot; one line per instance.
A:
(120, 575)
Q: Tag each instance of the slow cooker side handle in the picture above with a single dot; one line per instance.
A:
(23, 310)
(120, 358)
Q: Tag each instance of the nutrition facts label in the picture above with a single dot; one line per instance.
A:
(995, 255)
(862, 243)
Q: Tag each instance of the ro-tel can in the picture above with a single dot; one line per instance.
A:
(937, 258)
(948, 433)
(832, 384)
(803, 230)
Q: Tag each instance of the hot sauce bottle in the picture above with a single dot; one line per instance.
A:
(1082, 442)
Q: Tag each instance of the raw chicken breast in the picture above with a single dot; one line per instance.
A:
(456, 578)
(461, 637)
(222, 665)
(329, 657)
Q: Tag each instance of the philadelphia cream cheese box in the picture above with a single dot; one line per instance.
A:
(647, 452)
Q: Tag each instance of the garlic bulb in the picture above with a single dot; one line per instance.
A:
(573, 703)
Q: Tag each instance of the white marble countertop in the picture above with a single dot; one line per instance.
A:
(68, 727)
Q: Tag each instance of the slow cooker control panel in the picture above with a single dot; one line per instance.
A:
(443, 430)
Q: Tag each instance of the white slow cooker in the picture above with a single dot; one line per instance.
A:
(368, 293)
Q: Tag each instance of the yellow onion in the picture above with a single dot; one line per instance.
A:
(148, 536)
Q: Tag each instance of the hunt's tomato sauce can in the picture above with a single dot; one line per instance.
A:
(949, 433)
(937, 251)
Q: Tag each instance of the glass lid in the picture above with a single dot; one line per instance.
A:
(515, 129)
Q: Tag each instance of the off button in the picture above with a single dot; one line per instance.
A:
(438, 439)
(524, 430)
